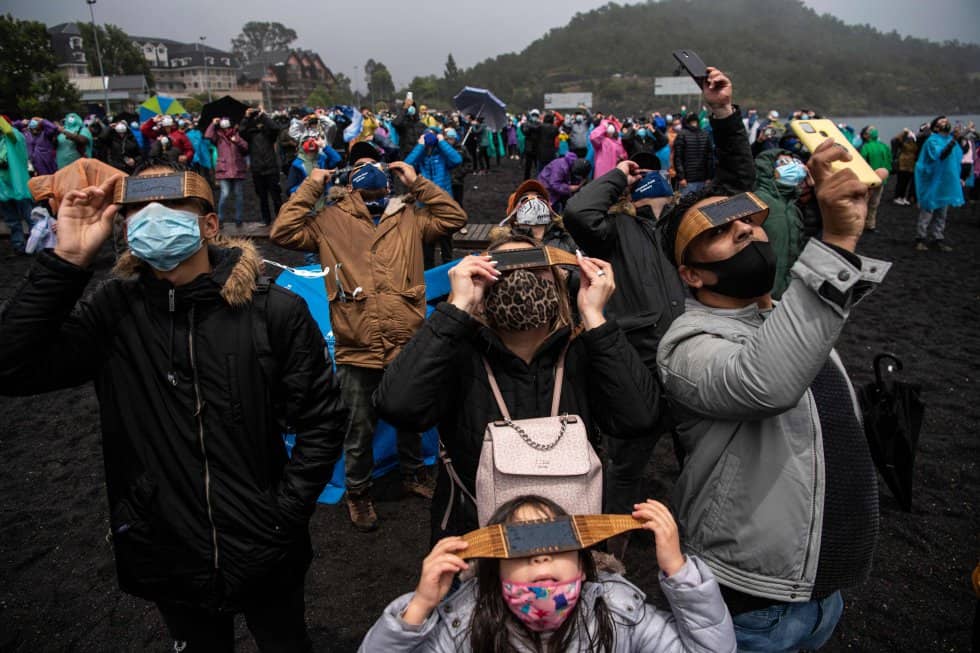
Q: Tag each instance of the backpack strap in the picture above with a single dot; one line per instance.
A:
(260, 330)
(555, 396)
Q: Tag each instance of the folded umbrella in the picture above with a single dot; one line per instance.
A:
(224, 107)
(892, 420)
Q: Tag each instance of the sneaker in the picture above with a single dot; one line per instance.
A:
(422, 483)
(360, 507)
(921, 247)
(943, 247)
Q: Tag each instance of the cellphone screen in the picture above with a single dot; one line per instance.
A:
(141, 189)
(731, 209)
(529, 538)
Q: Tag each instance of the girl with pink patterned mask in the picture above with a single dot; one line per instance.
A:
(555, 601)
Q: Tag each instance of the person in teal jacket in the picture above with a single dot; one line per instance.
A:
(15, 196)
(937, 184)
(778, 175)
(74, 141)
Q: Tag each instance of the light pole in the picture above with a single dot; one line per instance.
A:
(353, 90)
(207, 77)
(98, 55)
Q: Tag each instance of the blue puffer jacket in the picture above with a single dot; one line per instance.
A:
(435, 163)
(328, 159)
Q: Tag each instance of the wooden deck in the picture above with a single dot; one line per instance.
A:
(477, 237)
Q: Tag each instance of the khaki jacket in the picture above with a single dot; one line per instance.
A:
(380, 267)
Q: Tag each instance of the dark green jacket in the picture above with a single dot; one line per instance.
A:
(784, 226)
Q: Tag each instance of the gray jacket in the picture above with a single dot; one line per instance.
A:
(698, 621)
(749, 500)
(578, 132)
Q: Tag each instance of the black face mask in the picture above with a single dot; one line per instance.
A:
(747, 275)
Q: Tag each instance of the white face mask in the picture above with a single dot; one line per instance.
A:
(167, 121)
(224, 123)
(121, 128)
(533, 211)
(610, 130)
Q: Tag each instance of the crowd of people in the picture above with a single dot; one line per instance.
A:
(684, 274)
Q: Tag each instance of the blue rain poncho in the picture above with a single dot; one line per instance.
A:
(937, 181)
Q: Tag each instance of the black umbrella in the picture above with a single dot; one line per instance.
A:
(127, 116)
(892, 420)
(225, 107)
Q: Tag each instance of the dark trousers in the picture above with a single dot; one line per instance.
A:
(445, 245)
(357, 386)
(530, 164)
(266, 188)
(623, 477)
(483, 158)
(903, 185)
(458, 192)
(276, 621)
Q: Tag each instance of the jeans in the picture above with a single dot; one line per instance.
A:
(931, 224)
(276, 621)
(15, 214)
(788, 626)
(266, 188)
(229, 186)
(357, 386)
(692, 186)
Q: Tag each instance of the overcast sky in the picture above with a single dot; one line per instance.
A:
(413, 38)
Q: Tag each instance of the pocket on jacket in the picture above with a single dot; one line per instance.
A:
(349, 321)
(721, 499)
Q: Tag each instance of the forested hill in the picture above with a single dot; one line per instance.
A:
(780, 53)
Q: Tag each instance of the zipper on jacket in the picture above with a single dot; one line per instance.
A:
(199, 414)
(172, 305)
(813, 489)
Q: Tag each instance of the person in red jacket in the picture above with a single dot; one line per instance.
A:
(158, 126)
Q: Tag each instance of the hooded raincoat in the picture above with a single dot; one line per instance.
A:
(784, 226)
(68, 151)
(937, 179)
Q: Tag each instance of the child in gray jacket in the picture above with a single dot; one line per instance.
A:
(556, 601)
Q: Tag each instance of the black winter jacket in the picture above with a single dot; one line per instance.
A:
(693, 157)
(649, 294)
(409, 128)
(205, 508)
(261, 133)
(118, 147)
(546, 143)
(439, 380)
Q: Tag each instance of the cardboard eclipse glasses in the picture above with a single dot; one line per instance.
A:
(698, 220)
(531, 258)
(554, 535)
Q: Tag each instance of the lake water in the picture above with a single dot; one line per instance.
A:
(889, 126)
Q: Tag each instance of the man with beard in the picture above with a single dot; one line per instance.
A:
(372, 244)
(778, 492)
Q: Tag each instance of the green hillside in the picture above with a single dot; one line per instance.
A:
(779, 53)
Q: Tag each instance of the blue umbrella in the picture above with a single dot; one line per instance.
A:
(481, 102)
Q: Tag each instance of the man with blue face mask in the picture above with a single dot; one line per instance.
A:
(197, 362)
(780, 178)
(371, 243)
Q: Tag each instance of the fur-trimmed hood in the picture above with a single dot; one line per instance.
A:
(239, 282)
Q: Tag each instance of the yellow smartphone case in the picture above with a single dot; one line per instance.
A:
(814, 132)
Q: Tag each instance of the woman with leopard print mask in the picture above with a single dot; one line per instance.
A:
(520, 321)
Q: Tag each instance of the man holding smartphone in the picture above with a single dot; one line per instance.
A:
(778, 494)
